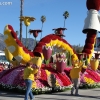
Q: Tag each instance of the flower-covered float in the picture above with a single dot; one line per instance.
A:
(54, 67)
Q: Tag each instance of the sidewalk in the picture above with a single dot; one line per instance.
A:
(93, 94)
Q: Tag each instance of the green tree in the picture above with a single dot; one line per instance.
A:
(43, 19)
(66, 15)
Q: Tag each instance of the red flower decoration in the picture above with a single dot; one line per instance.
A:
(31, 54)
(14, 35)
(40, 44)
(92, 35)
(88, 45)
(38, 49)
(93, 4)
(97, 55)
(35, 32)
(80, 56)
(19, 42)
(90, 40)
(46, 39)
(59, 31)
(86, 50)
(1, 68)
(11, 28)
(25, 49)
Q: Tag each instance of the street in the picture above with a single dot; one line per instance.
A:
(85, 94)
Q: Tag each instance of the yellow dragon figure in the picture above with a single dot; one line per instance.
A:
(15, 50)
(8, 55)
(15, 46)
(10, 58)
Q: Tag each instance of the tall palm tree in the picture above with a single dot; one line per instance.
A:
(43, 19)
(66, 15)
(21, 14)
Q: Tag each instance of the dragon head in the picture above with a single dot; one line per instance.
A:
(8, 29)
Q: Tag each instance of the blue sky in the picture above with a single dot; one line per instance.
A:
(53, 10)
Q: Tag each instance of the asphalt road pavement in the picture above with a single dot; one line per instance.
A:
(84, 94)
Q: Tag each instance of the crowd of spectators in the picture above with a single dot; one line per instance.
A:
(6, 66)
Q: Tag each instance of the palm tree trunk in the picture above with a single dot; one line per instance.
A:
(34, 43)
(21, 14)
(26, 37)
(64, 25)
(41, 30)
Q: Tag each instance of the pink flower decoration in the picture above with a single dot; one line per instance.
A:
(60, 55)
(60, 65)
(47, 52)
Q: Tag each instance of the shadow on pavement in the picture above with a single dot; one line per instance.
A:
(87, 96)
(84, 96)
(49, 98)
(10, 94)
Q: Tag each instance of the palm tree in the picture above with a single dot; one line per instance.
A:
(66, 15)
(21, 14)
(43, 19)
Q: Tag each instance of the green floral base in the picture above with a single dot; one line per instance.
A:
(89, 86)
(21, 90)
(45, 90)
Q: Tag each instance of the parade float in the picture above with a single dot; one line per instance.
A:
(54, 67)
